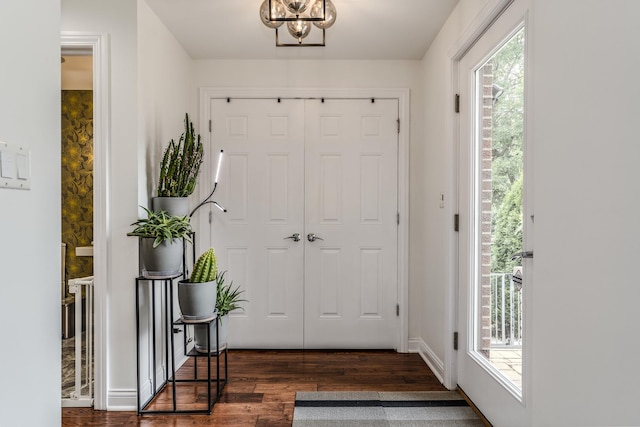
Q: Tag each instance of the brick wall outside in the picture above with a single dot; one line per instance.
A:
(485, 200)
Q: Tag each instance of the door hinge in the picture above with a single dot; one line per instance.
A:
(209, 126)
(210, 216)
(456, 222)
(398, 218)
(455, 340)
(398, 125)
(457, 103)
(397, 310)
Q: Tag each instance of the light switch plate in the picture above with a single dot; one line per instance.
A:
(22, 166)
(7, 164)
(15, 166)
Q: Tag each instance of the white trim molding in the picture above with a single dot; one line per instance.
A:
(491, 11)
(122, 400)
(98, 45)
(417, 345)
(403, 97)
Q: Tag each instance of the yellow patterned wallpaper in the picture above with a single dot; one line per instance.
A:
(77, 179)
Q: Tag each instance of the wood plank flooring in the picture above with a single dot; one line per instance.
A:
(262, 384)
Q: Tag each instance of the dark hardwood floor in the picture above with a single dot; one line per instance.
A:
(262, 386)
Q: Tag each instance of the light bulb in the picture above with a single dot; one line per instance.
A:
(219, 165)
(277, 12)
(330, 14)
(296, 6)
(299, 29)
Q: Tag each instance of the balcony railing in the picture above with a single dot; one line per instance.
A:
(506, 311)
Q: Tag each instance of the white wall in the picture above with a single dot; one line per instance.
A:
(117, 18)
(166, 92)
(586, 333)
(432, 244)
(30, 220)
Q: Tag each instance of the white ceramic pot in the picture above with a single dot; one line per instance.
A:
(197, 300)
(174, 206)
(164, 260)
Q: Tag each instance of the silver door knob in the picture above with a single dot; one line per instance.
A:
(295, 237)
(312, 237)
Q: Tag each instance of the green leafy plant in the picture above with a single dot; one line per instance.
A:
(161, 227)
(206, 268)
(228, 296)
(180, 164)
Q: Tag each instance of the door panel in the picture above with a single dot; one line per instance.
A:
(306, 166)
(261, 186)
(351, 203)
(493, 189)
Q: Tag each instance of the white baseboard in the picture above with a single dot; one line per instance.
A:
(121, 400)
(126, 399)
(417, 345)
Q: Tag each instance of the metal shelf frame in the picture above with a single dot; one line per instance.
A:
(169, 328)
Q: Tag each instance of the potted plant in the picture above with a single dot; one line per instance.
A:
(197, 295)
(161, 242)
(227, 300)
(179, 171)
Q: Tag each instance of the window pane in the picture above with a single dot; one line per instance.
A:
(499, 182)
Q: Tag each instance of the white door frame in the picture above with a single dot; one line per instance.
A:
(97, 44)
(402, 95)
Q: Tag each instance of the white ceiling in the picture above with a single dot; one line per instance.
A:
(364, 29)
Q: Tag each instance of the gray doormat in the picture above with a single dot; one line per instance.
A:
(383, 409)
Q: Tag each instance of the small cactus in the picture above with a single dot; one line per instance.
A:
(205, 268)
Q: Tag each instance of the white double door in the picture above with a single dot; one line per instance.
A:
(294, 169)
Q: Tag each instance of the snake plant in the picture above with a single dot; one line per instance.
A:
(205, 268)
(180, 164)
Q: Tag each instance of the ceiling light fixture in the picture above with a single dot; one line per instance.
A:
(299, 15)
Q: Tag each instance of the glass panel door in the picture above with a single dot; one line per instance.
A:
(495, 220)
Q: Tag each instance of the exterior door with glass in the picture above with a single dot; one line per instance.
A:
(496, 220)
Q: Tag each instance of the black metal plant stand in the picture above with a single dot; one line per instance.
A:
(169, 328)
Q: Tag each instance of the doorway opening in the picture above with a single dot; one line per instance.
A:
(96, 47)
(326, 170)
(77, 226)
(330, 202)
